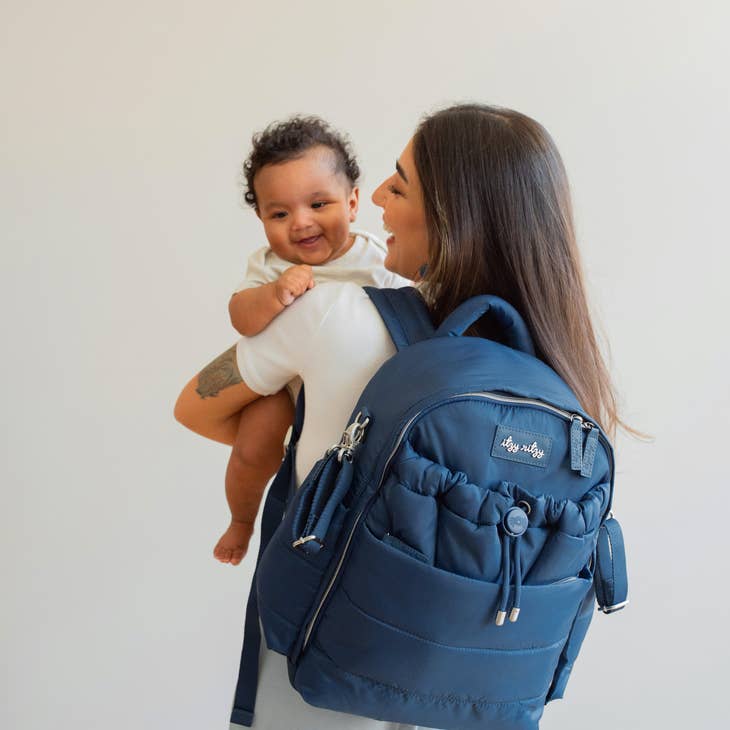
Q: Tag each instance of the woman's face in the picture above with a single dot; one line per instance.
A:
(404, 217)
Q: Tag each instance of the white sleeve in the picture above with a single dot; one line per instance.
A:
(335, 340)
(269, 360)
(258, 271)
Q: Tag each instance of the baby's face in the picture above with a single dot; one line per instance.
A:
(306, 207)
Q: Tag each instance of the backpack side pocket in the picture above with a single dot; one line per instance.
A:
(572, 647)
(290, 573)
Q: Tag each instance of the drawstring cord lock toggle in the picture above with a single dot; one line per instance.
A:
(514, 525)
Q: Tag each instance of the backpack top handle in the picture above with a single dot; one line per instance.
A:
(503, 313)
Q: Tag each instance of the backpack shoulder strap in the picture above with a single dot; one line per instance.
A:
(280, 492)
(404, 313)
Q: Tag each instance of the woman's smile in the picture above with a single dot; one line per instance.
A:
(404, 217)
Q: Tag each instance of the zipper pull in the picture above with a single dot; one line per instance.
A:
(576, 442)
(589, 454)
(351, 438)
(582, 458)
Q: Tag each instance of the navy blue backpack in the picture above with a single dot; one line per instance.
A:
(439, 565)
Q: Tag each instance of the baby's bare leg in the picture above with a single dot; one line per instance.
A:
(256, 456)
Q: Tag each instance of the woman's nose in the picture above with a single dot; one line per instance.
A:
(378, 195)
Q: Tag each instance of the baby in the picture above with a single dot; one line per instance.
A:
(301, 179)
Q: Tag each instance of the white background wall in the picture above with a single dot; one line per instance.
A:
(123, 130)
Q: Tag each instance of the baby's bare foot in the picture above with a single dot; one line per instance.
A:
(233, 545)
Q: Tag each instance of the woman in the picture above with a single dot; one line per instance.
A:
(478, 203)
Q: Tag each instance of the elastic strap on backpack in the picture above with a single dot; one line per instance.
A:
(279, 493)
(404, 313)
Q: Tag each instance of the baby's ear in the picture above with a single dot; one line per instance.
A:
(353, 202)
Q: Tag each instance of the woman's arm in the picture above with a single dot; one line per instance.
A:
(210, 404)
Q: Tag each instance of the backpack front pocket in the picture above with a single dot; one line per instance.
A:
(427, 638)
(460, 527)
(457, 604)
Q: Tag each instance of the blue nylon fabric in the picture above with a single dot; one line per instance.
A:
(612, 586)
(434, 369)
(572, 647)
(447, 608)
(506, 316)
(394, 618)
(455, 524)
(403, 313)
(350, 694)
(463, 431)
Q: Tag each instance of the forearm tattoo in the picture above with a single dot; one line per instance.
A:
(219, 374)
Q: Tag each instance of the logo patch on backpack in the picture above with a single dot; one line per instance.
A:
(524, 447)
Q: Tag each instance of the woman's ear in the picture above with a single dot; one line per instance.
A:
(353, 203)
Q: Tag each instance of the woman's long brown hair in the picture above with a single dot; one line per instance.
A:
(500, 222)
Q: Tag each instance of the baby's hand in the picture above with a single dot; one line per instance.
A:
(293, 283)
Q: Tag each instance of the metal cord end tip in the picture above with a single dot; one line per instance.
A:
(501, 616)
(514, 614)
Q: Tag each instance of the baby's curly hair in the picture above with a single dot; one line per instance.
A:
(289, 139)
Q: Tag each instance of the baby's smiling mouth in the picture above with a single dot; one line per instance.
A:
(307, 241)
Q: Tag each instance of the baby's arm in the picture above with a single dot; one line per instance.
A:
(253, 309)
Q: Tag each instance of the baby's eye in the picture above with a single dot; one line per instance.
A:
(278, 215)
(318, 205)
(392, 189)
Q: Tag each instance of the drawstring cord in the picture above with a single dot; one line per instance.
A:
(504, 594)
(514, 525)
(515, 612)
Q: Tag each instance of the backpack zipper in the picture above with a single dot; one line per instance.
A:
(530, 402)
(574, 418)
(352, 532)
